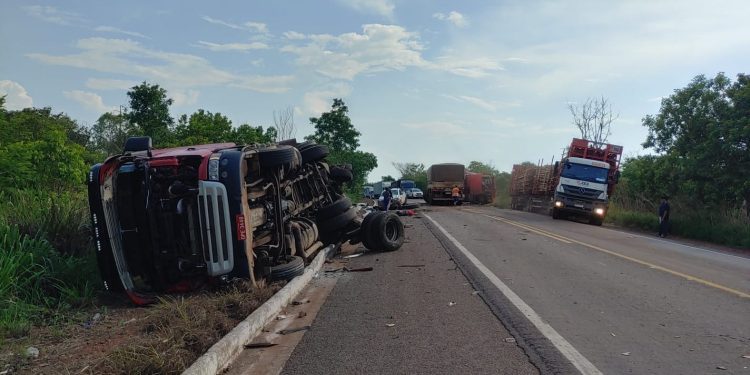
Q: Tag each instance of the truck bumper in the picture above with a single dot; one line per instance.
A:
(580, 206)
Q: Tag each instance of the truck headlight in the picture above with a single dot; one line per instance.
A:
(599, 211)
(558, 204)
(213, 167)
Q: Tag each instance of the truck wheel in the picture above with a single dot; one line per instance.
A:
(555, 213)
(336, 208)
(313, 153)
(388, 232)
(596, 221)
(365, 228)
(275, 157)
(292, 267)
(341, 174)
(337, 223)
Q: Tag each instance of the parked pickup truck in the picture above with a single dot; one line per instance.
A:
(174, 219)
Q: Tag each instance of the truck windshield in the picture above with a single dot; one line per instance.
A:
(585, 173)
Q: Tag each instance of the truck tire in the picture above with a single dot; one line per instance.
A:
(339, 206)
(365, 228)
(341, 174)
(313, 153)
(275, 157)
(289, 269)
(555, 213)
(388, 232)
(596, 221)
(337, 223)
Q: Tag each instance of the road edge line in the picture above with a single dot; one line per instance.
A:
(560, 343)
(228, 348)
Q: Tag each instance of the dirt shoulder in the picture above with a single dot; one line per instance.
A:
(119, 338)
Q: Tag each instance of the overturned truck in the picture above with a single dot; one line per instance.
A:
(169, 220)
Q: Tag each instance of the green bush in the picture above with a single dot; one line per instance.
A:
(726, 228)
(61, 218)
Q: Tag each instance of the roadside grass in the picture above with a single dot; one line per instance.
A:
(47, 266)
(729, 227)
(180, 329)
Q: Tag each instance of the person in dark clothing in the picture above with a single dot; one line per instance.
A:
(664, 216)
(387, 195)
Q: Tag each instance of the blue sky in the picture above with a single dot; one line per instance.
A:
(425, 81)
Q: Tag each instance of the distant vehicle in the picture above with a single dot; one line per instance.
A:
(368, 192)
(480, 188)
(399, 198)
(377, 188)
(415, 193)
(405, 185)
(441, 178)
(580, 184)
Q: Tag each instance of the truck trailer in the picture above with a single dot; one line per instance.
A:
(479, 188)
(580, 184)
(441, 178)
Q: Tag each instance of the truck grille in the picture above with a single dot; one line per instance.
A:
(215, 223)
(581, 191)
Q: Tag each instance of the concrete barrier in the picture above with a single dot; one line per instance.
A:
(226, 350)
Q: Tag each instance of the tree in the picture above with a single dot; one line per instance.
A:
(110, 132)
(203, 127)
(149, 111)
(413, 171)
(479, 167)
(704, 130)
(283, 122)
(335, 130)
(594, 118)
(246, 134)
(387, 178)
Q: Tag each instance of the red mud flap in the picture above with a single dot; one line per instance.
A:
(140, 299)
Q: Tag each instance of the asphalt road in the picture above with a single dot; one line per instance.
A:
(621, 302)
(414, 313)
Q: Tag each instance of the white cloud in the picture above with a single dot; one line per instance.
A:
(378, 48)
(173, 70)
(110, 29)
(468, 67)
(53, 15)
(232, 46)
(293, 35)
(16, 96)
(184, 97)
(457, 19)
(257, 27)
(319, 101)
(109, 84)
(380, 7)
(89, 100)
(489, 105)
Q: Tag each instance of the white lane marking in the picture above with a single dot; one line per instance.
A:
(566, 349)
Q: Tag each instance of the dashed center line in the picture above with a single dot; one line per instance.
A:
(610, 252)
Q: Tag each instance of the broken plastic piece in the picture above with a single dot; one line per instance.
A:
(292, 330)
(260, 344)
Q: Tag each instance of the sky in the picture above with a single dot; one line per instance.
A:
(425, 81)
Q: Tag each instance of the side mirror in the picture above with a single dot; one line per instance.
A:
(616, 177)
(557, 166)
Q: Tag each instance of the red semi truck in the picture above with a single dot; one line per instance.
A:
(479, 188)
(580, 184)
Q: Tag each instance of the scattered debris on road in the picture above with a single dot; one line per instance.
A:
(474, 293)
(411, 265)
(613, 335)
(260, 344)
(280, 317)
(301, 314)
(297, 303)
(390, 324)
(626, 354)
(451, 303)
(292, 330)
(347, 269)
(353, 255)
(510, 339)
(721, 368)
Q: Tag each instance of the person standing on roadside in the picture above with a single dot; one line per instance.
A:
(456, 194)
(664, 216)
(386, 198)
